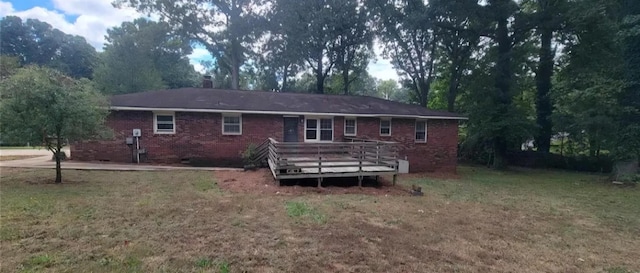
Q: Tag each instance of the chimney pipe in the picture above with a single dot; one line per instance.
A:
(207, 82)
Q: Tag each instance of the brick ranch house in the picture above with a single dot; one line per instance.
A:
(212, 126)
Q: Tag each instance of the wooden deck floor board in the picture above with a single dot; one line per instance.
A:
(335, 167)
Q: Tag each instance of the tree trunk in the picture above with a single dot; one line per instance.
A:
(502, 84)
(544, 107)
(345, 80)
(500, 153)
(236, 51)
(319, 77)
(453, 87)
(285, 75)
(593, 143)
(58, 168)
(423, 92)
(58, 157)
(319, 84)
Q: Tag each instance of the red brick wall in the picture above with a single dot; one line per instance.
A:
(199, 137)
(439, 153)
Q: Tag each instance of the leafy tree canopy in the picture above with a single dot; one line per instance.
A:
(41, 105)
(36, 42)
(144, 55)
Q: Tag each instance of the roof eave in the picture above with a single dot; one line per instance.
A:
(159, 109)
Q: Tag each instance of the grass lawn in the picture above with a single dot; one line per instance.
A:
(181, 221)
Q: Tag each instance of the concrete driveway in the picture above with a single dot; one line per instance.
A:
(45, 162)
(35, 151)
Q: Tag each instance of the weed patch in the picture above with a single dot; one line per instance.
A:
(301, 210)
(205, 184)
(132, 264)
(224, 267)
(37, 262)
(204, 263)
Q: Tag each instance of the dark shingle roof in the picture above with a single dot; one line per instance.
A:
(277, 102)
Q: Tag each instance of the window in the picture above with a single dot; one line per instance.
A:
(312, 129)
(421, 131)
(320, 129)
(350, 127)
(164, 123)
(385, 127)
(231, 124)
(326, 129)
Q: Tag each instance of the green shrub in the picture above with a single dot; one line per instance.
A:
(249, 154)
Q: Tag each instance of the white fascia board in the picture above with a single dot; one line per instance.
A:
(128, 108)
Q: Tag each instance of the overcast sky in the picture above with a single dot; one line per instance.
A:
(92, 18)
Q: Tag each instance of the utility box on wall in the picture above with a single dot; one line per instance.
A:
(137, 133)
(403, 166)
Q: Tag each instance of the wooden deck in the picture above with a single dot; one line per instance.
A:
(356, 158)
(340, 166)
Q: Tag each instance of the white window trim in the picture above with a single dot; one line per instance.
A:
(231, 133)
(318, 118)
(155, 123)
(380, 127)
(416, 131)
(355, 124)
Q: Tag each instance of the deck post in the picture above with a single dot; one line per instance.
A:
(319, 171)
(360, 177)
(395, 175)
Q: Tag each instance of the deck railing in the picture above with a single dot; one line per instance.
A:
(317, 160)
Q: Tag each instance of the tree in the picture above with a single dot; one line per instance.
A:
(362, 85)
(36, 42)
(386, 88)
(323, 34)
(42, 105)
(128, 72)
(144, 55)
(354, 45)
(279, 56)
(510, 26)
(8, 66)
(406, 30)
(305, 83)
(628, 137)
(550, 18)
(590, 78)
(459, 27)
(226, 28)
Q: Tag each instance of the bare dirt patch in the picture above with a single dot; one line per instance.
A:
(261, 182)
